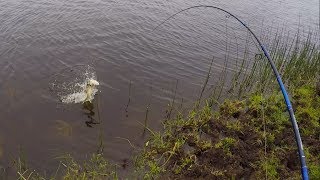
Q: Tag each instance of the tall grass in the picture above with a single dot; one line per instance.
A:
(179, 151)
(297, 59)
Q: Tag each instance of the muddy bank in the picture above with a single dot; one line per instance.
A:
(247, 139)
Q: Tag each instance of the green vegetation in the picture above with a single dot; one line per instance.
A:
(252, 138)
(97, 167)
(243, 139)
(249, 135)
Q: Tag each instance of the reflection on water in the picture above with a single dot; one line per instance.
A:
(88, 108)
(1, 148)
(63, 128)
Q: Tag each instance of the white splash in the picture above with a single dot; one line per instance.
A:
(77, 84)
(87, 91)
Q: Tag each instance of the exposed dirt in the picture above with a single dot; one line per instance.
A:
(244, 140)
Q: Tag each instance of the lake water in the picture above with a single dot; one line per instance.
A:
(138, 69)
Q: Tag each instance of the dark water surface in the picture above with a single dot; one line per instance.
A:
(40, 38)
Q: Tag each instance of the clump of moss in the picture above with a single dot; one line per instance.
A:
(232, 108)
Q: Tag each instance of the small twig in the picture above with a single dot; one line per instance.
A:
(21, 175)
(171, 154)
(147, 110)
(173, 101)
(147, 128)
(265, 136)
(55, 175)
(146, 119)
(98, 108)
(127, 141)
(129, 98)
(30, 175)
(207, 79)
(64, 165)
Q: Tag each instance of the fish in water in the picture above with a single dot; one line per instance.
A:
(84, 94)
(90, 88)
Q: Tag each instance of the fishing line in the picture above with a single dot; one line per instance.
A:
(304, 169)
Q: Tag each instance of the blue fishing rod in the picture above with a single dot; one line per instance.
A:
(304, 169)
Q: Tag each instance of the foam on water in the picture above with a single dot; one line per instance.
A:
(76, 85)
(86, 94)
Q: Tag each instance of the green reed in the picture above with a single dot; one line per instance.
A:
(297, 60)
